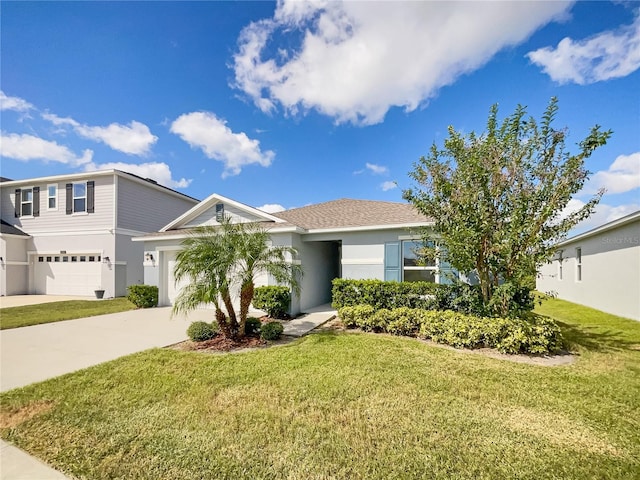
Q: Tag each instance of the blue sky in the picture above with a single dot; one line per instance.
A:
(283, 105)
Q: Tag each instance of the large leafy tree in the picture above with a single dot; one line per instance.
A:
(497, 198)
(220, 262)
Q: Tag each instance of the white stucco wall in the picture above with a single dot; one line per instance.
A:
(610, 272)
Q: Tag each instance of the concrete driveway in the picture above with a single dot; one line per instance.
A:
(36, 353)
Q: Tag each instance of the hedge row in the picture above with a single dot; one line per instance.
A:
(535, 334)
(273, 299)
(379, 294)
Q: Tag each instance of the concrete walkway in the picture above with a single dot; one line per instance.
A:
(313, 318)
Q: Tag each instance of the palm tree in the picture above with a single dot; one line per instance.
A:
(219, 260)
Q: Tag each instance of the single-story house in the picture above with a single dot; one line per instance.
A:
(599, 268)
(358, 239)
(71, 234)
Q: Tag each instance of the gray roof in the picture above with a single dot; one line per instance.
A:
(10, 229)
(337, 214)
(346, 213)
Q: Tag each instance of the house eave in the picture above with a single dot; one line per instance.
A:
(632, 217)
(365, 228)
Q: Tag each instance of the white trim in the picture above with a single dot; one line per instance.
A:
(49, 197)
(71, 232)
(11, 235)
(69, 253)
(182, 236)
(12, 262)
(362, 261)
(127, 231)
(369, 227)
(212, 200)
(115, 202)
(409, 237)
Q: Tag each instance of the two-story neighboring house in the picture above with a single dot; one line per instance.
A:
(71, 234)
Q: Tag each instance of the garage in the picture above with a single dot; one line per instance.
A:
(69, 274)
(173, 288)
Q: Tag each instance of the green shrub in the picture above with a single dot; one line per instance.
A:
(530, 334)
(355, 316)
(379, 294)
(143, 296)
(201, 331)
(252, 326)
(274, 300)
(271, 331)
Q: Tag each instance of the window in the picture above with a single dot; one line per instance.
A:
(419, 262)
(219, 212)
(56, 259)
(48, 259)
(74, 259)
(560, 265)
(83, 258)
(26, 202)
(92, 258)
(41, 259)
(52, 197)
(65, 259)
(579, 264)
(79, 197)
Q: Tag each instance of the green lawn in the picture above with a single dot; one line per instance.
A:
(348, 406)
(15, 317)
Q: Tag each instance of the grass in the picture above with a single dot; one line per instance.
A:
(14, 317)
(347, 406)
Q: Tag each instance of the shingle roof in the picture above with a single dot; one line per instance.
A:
(336, 214)
(345, 213)
(10, 229)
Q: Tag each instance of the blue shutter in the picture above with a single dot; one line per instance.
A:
(392, 265)
(447, 273)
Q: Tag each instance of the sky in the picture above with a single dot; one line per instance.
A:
(281, 105)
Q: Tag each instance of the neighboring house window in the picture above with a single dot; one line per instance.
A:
(52, 197)
(219, 212)
(579, 264)
(414, 266)
(560, 265)
(80, 197)
(26, 202)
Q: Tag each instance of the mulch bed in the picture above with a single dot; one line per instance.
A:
(221, 344)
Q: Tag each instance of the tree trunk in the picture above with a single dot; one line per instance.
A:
(233, 322)
(246, 295)
(221, 318)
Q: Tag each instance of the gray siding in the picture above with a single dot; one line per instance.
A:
(57, 220)
(610, 272)
(146, 208)
(208, 217)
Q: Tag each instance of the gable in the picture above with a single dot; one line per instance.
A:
(208, 216)
(205, 213)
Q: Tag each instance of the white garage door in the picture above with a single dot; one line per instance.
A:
(173, 288)
(67, 274)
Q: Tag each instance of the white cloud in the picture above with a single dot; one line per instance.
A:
(14, 103)
(610, 54)
(604, 213)
(160, 172)
(385, 186)
(29, 147)
(272, 208)
(622, 176)
(356, 60)
(132, 139)
(209, 133)
(377, 169)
